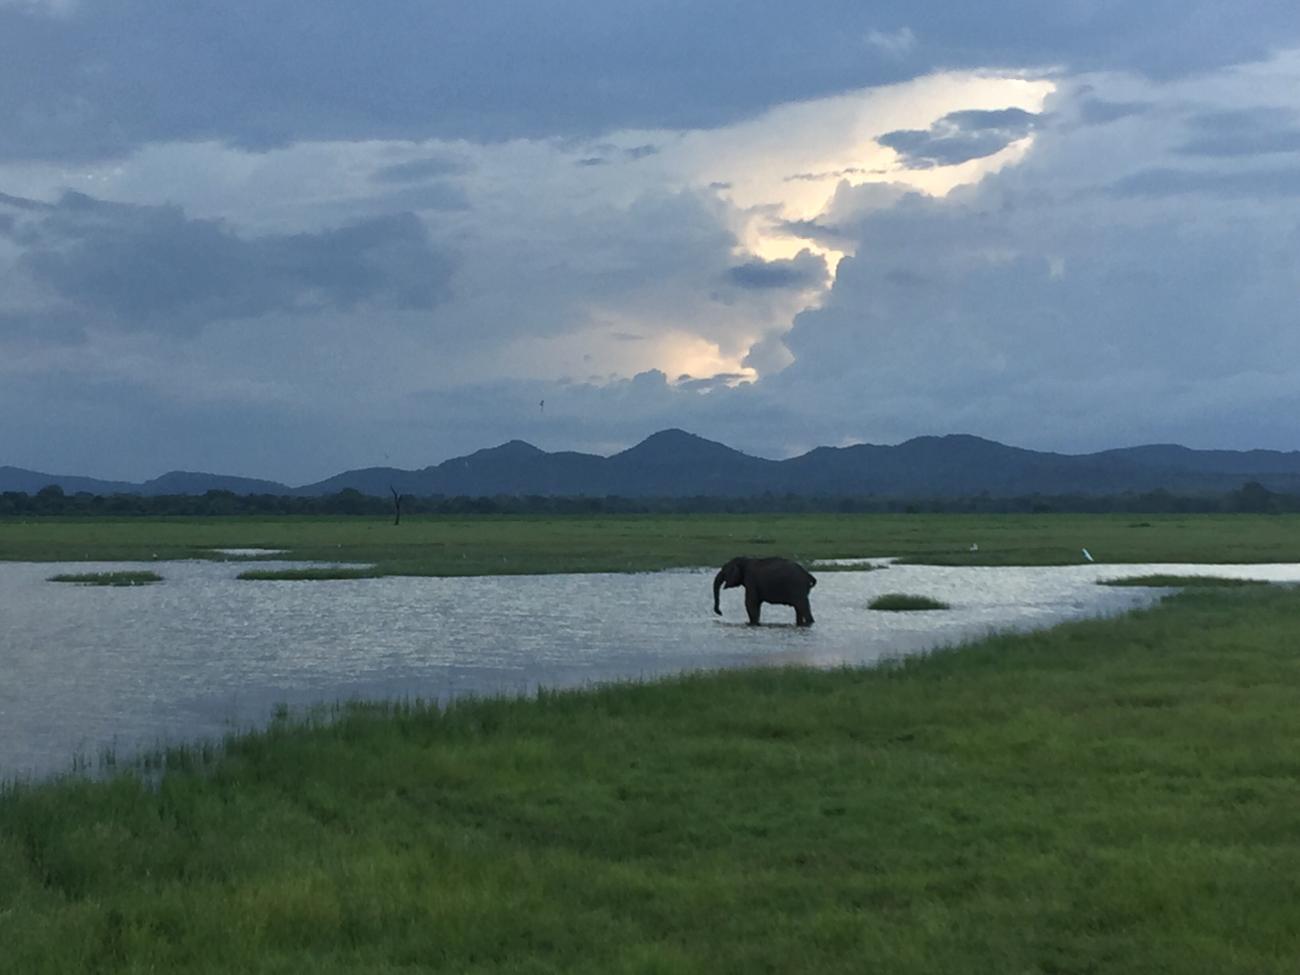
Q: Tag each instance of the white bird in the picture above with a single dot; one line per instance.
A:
(1087, 555)
(974, 546)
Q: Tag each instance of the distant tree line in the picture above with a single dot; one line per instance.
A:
(1250, 497)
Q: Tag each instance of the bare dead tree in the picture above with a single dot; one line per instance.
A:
(397, 505)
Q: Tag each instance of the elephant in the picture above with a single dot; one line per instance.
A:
(770, 580)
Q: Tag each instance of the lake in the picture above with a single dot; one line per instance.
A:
(87, 668)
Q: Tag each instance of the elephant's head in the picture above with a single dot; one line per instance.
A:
(729, 576)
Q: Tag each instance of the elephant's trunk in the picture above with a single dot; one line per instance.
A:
(717, 589)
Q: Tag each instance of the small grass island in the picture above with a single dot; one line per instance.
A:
(896, 602)
(108, 578)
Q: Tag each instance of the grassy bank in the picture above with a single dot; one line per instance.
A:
(1107, 796)
(1182, 581)
(306, 575)
(510, 544)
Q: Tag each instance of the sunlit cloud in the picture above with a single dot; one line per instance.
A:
(787, 164)
(600, 355)
(681, 252)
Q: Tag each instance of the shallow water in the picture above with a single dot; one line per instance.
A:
(83, 669)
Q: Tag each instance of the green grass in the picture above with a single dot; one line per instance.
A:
(514, 544)
(262, 575)
(1181, 581)
(107, 578)
(901, 602)
(1108, 796)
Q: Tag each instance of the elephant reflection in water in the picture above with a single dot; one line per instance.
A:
(771, 580)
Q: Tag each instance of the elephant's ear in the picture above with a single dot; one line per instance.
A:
(734, 572)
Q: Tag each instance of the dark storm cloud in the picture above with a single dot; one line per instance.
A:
(154, 266)
(1021, 313)
(419, 170)
(829, 174)
(129, 424)
(605, 155)
(21, 203)
(825, 234)
(45, 327)
(805, 270)
(1242, 132)
(810, 229)
(1257, 184)
(710, 384)
(959, 137)
(111, 75)
(420, 196)
(1097, 111)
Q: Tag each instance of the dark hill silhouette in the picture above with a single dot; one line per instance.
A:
(677, 463)
(674, 463)
(192, 482)
(937, 466)
(29, 482)
(673, 448)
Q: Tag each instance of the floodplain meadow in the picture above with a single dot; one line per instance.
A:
(510, 544)
(1108, 795)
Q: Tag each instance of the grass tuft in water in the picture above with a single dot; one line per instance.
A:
(309, 575)
(108, 578)
(901, 602)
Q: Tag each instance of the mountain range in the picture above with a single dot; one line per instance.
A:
(674, 463)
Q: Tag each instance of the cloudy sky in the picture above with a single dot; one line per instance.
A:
(283, 238)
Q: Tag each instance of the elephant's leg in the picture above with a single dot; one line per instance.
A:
(752, 606)
(803, 613)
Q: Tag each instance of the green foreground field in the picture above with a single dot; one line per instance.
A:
(600, 543)
(1108, 796)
